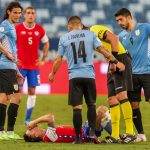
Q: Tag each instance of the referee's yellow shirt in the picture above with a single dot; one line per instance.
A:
(100, 30)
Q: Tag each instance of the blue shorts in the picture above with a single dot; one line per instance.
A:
(33, 77)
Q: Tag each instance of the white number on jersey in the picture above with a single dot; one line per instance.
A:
(30, 40)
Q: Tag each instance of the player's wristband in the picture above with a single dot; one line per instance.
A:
(113, 61)
(115, 54)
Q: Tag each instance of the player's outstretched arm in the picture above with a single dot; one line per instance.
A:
(49, 118)
(55, 67)
(111, 58)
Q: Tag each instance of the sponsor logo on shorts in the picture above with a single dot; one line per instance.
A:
(120, 87)
(16, 87)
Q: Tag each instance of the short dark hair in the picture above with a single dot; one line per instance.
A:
(31, 139)
(10, 7)
(74, 19)
(123, 12)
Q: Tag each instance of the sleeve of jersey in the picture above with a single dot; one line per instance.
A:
(99, 31)
(61, 49)
(44, 37)
(97, 41)
(2, 31)
(50, 135)
(106, 122)
(148, 27)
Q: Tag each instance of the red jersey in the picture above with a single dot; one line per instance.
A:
(65, 134)
(28, 42)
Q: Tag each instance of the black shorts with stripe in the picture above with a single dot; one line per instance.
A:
(140, 81)
(120, 81)
(8, 81)
(79, 87)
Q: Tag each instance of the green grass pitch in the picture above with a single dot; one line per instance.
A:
(57, 104)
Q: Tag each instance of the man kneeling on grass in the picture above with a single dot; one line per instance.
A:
(66, 134)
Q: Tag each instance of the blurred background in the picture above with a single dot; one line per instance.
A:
(53, 16)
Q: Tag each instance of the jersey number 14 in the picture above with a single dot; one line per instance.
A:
(81, 51)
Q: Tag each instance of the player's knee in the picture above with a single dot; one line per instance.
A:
(91, 105)
(77, 107)
(15, 98)
(122, 95)
(112, 100)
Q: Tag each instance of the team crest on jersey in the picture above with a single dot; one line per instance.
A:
(2, 29)
(23, 32)
(124, 38)
(137, 32)
(36, 33)
(16, 87)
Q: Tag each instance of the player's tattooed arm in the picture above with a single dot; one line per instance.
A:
(109, 56)
(112, 39)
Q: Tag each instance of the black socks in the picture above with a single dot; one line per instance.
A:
(137, 119)
(77, 121)
(91, 116)
(2, 116)
(12, 115)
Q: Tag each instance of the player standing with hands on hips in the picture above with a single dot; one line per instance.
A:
(9, 90)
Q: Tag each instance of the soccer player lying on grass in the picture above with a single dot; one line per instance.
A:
(66, 134)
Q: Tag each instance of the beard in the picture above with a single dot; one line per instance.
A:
(126, 27)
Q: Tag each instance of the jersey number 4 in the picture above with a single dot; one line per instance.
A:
(81, 51)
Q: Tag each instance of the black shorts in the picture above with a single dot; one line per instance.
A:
(79, 87)
(8, 81)
(120, 81)
(140, 81)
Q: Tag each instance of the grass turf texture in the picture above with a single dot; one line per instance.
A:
(63, 116)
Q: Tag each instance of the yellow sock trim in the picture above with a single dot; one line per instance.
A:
(115, 119)
(127, 113)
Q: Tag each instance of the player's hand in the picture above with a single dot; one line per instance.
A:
(51, 77)
(120, 66)
(18, 62)
(10, 56)
(39, 62)
(112, 68)
(20, 78)
(31, 125)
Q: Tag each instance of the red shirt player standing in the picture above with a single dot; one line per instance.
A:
(29, 36)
